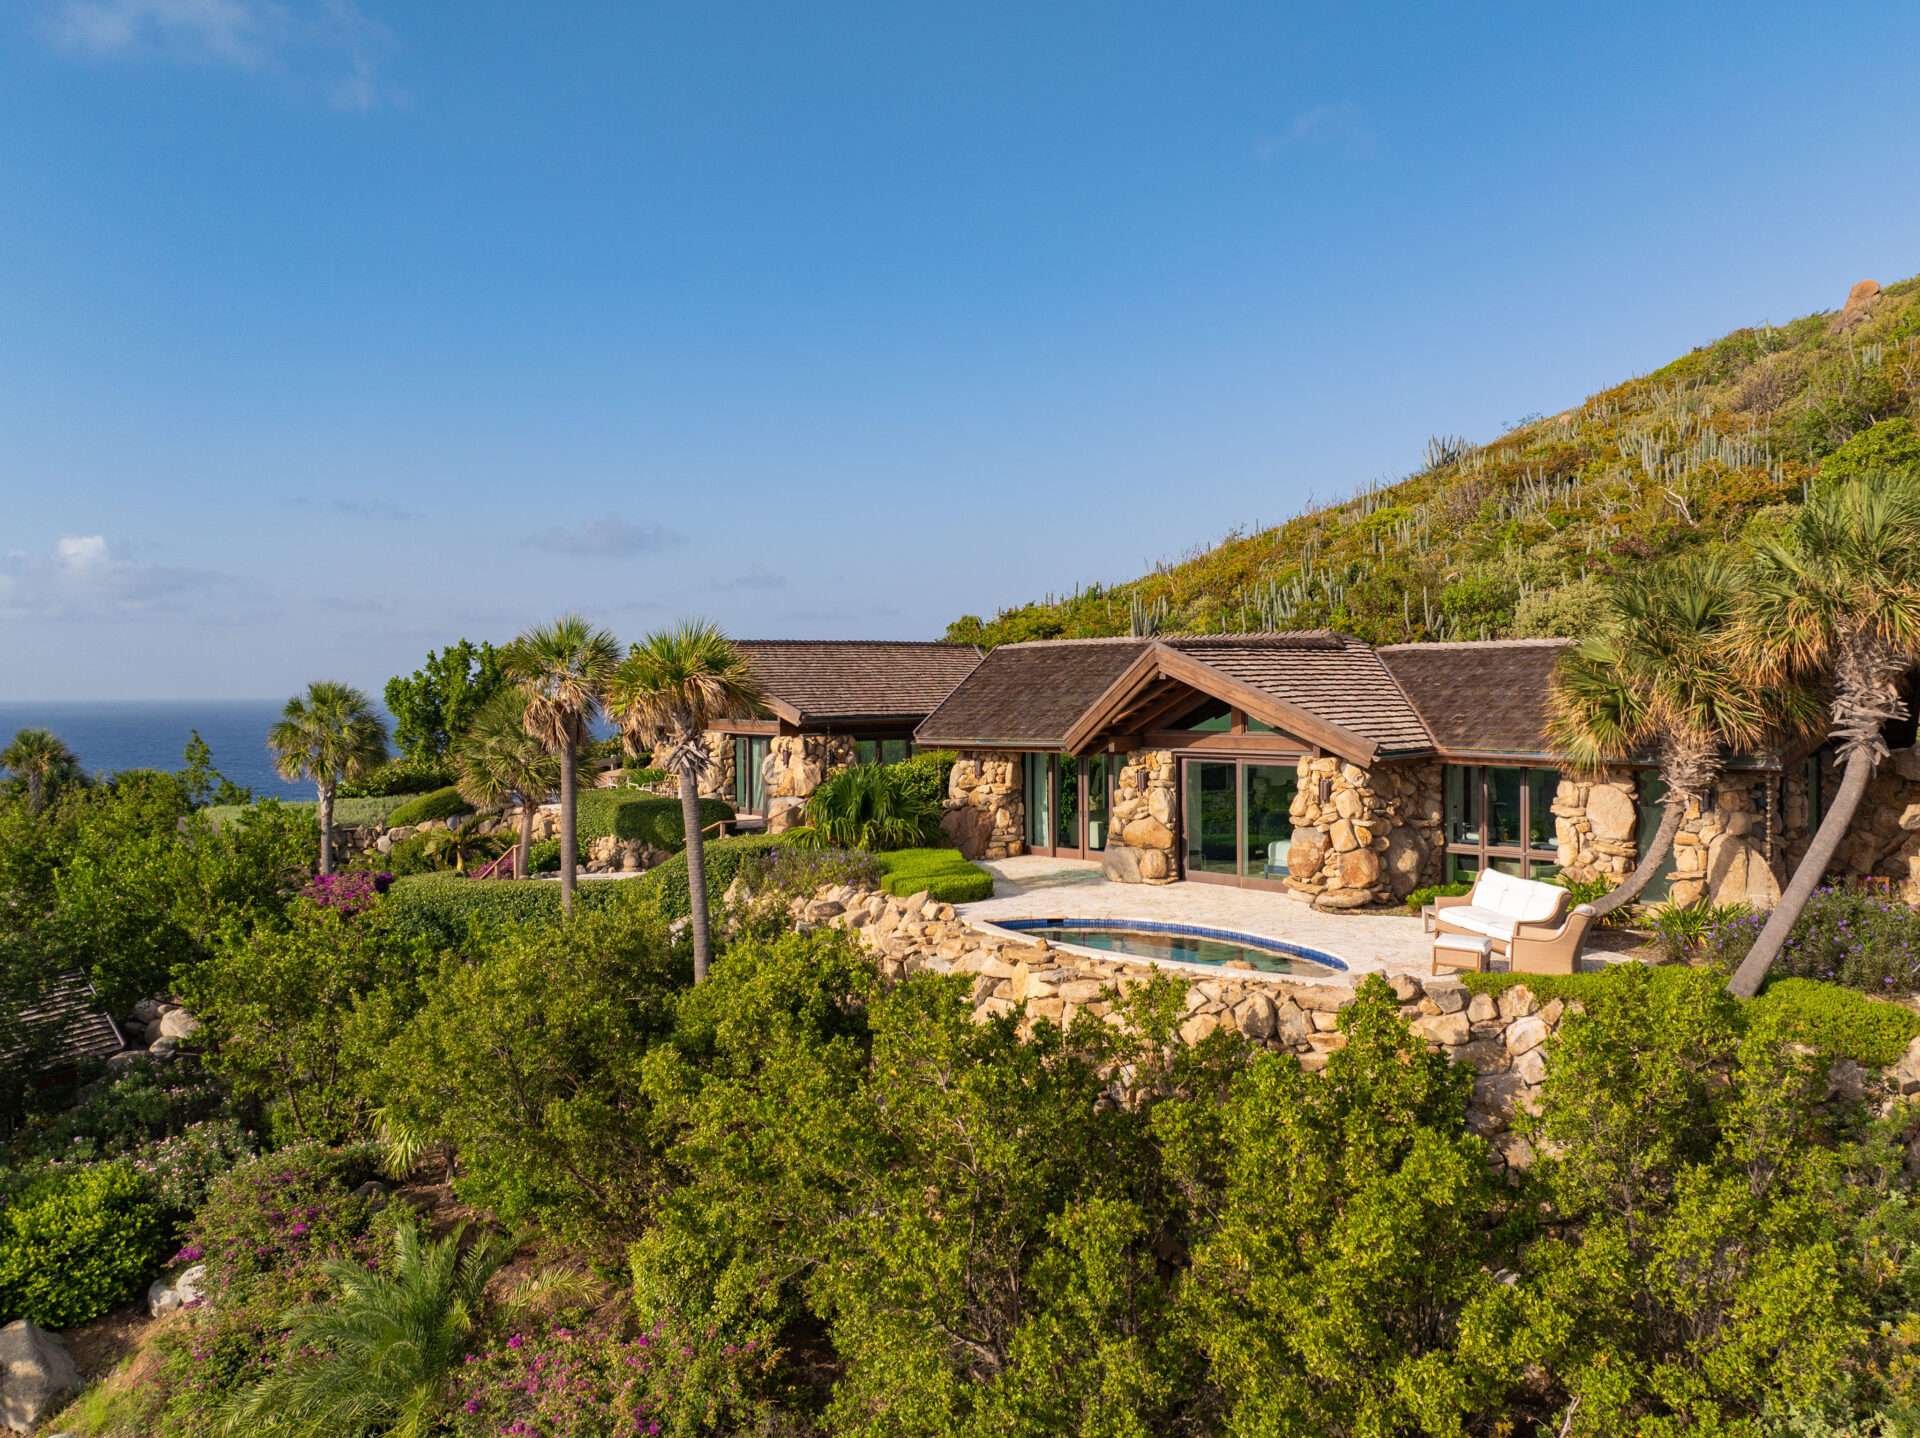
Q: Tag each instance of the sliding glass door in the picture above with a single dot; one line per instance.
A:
(1068, 801)
(1237, 820)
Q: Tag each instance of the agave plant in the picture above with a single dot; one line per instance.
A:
(865, 807)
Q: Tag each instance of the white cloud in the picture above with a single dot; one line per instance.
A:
(82, 579)
(1324, 125)
(609, 538)
(758, 576)
(307, 40)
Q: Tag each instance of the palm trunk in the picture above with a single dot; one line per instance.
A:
(523, 860)
(1860, 764)
(696, 873)
(326, 828)
(33, 791)
(566, 829)
(1650, 861)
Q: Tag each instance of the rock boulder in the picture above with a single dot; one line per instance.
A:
(36, 1375)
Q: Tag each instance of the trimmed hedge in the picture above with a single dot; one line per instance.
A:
(626, 815)
(1837, 1021)
(401, 779)
(440, 804)
(445, 907)
(943, 873)
(347, 813)
(724, 858)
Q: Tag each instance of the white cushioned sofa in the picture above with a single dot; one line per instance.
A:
(1529, 922)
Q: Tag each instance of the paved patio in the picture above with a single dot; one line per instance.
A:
(1045, 888)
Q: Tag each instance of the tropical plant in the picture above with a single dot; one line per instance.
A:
(562, 670)
(868, 807)
(38, 757)
(668, 689)
(1836, 601)
(1659, 678)
(499, 760)
(205, 784)
(329, 735)
(386, 1347)
(461, 844)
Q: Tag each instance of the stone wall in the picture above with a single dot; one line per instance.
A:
(1596, 824)
(1376, 837)
(1884, 840)
(1727, 853)
(986, 806)
(797, 763)
(1141, 845)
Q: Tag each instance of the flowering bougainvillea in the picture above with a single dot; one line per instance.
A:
(351, 893)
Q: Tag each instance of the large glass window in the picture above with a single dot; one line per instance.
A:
(1066, 770)
(1213, 820)
(1652, 794)
(1039, 795)
(1268, 800)
(1099, 798)
(1501, 816)
(749, 773)
(881, 751)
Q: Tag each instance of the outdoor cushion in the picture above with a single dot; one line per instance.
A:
(1491, 922)
(1516, 900)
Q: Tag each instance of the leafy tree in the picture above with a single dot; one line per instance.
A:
(299, 1014)
(1889, 445)
(668, 689)
(38, 757)
(562, 669)
(329, 735)
(1698, 1268)
(1660, 678)
(527, 1059)
(1837, 603)
(1343, 1281)
(433, 706)
(205, 784)
(384, 1350)
(499, 760)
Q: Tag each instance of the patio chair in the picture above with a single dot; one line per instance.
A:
(1276, 859)
(1550, 948)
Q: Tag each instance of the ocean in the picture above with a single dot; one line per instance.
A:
(151, 734)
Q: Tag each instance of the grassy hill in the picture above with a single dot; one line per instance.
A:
(1512, 538)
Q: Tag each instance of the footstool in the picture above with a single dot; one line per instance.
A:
(1462, 951)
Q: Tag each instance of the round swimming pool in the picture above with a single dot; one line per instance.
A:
(1181, 944)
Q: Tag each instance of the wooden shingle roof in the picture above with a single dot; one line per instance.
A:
(1334, 677)
(66, 1018)
(1029, 694)
(1481, 699)
(813, 681)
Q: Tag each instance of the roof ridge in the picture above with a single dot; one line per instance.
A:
(1475, 644)
(896, 643)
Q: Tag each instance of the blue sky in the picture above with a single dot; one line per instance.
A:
(333, 330)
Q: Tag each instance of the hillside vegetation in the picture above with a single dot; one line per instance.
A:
(1511, 538)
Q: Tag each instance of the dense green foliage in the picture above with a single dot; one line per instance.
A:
(443, 907)
(74, 1244)
(401, 778)
(943, 873)
(625, 815)
(1510, 537)
(433, 705)
(347, 813)
(724, 857)
(440, 804)
(872, 806)
(1863, 938)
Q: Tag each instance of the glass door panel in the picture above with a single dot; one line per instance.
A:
(749, 771)
(1099, 776)
(1266, 799)
(1039, 788)
(1542, 785)
(1213, 820)
(1503, 808)
(1653, 801)
(1067, 786)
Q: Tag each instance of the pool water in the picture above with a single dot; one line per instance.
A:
(1178, 944)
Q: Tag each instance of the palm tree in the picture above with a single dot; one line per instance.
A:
(330, 735)
(562, 669)
(498, 759)
(388, 1344)
(1839, 602)
(669, 688)
(1660, 679)
(38, 756)
(464, 842)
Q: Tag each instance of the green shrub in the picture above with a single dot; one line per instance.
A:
(871, 807)
(1862, 938)
(446, 907)
(543, 857)
(440, 804)
(401, 778)
(724, 858)
(651, 818)
(924, 776)
(78, 1243)
(1890, 444)
(943, 873)
(634, 772)
(1420, 898)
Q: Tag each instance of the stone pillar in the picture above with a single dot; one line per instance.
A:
(1141, 847)
(1377, 835)
(986, 807)
(1596, 825)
